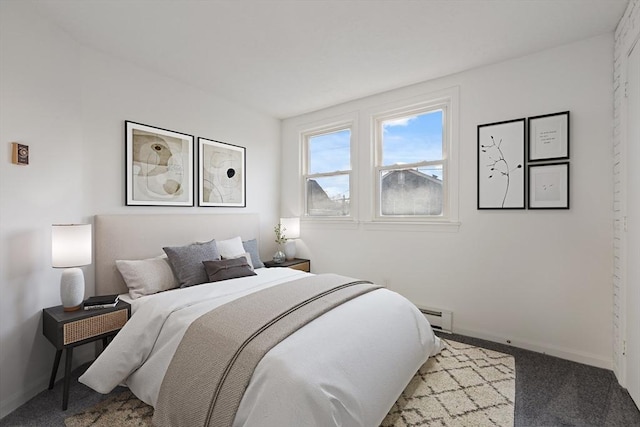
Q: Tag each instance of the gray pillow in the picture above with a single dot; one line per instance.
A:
(227, 269)
(186, 261)
(251, 246)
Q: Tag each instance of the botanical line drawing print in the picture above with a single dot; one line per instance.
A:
(501, 161)
(499, 166)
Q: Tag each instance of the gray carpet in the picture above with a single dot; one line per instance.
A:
(556, 392)
(549, 392)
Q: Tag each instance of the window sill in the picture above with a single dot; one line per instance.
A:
(351, 224)
(333, 223)
(431, 226)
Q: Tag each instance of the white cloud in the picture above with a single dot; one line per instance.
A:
(404, 121)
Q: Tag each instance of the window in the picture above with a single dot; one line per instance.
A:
(398, 171)
(327, 174)
(411, 164)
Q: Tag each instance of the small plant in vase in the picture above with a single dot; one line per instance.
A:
(281, 239)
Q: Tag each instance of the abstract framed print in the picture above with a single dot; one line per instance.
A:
(221, 174)
(159, 166)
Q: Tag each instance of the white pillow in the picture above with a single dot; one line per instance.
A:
(147, 276)
(230, 248)
(246, 255)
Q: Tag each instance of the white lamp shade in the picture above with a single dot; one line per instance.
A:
(70, 245)
(292, 227)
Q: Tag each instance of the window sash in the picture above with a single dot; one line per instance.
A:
(443, 213)
(323, 205)
(379, 168)
(306, 177)
(380, 159)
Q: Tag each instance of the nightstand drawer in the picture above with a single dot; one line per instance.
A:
(69, 329)
(93, 326)
(304, 266)
(296, 263)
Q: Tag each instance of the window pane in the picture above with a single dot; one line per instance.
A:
(328, 196)
(330, 152)
(411, 191)
(412, 139)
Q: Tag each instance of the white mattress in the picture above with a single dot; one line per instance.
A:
(345, 368)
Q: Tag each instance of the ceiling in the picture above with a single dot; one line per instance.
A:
(288, 57)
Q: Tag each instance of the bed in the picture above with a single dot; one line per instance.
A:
(346, 367)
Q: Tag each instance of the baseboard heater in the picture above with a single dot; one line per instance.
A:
(440, 320)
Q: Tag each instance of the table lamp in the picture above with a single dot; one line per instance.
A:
(291, 232)
(70, 249)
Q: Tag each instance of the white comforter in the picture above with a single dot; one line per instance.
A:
(345, 368)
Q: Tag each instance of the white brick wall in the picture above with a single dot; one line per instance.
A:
(626, 33)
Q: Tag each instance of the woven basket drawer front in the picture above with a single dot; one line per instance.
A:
(304, 266)
(93, 326)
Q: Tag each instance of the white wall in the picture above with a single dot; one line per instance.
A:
(540, 279)
(39, 106)
(69, 103)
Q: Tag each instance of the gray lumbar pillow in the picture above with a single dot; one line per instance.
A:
(251, 246)
(227, 269)
(186, 261)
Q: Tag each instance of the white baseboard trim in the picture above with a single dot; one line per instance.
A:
(81, 355)
(562, 353)
(17, 399)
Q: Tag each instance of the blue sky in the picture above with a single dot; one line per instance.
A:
(330, 152)
(413, 139)
(407, 140)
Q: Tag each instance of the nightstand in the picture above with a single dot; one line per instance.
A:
(296, 263)
(67, 330)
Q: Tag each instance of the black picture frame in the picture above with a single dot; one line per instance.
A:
(158, 166)
(222, 170)
(501, 165)
(549, 186)
(548, 137)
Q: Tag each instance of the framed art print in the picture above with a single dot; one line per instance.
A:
(549, 186)
(501, 177)
(19, 154)
(159, 166)
(549, 137)
(222, 174)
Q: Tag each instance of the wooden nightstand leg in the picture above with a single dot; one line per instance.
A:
(54, 371)
(67, 378)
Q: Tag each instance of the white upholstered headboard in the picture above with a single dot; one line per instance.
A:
(133, 237)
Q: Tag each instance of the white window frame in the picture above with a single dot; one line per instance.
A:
(447, 101)
(305, 136)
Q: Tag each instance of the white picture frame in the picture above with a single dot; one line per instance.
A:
(549, 186)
